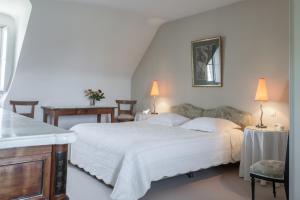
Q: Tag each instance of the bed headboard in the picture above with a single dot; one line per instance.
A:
(224, 112)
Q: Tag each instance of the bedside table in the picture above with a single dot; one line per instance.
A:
(142, 116)
(261, 144)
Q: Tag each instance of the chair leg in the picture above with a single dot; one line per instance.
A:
(274, 189)
(190, 175)
(253, 188)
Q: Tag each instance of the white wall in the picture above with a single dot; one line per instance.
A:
(255, 44)
(70, 47)
(295, 107)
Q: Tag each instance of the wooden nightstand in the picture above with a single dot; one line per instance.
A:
(261, 144)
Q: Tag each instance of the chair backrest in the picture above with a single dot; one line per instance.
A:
(131, 104)
(286, 172)
(24, 103)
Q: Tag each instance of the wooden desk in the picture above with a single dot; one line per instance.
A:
(56, 112)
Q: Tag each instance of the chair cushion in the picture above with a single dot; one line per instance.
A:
(125, 117)
(268, 168)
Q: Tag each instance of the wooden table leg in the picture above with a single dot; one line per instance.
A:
(55, 120)
(112, 116)
(45, 117)
(99, 118)
(59, 166)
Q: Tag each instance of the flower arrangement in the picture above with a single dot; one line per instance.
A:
(94, 96)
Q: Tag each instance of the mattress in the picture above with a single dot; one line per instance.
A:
(129, 156)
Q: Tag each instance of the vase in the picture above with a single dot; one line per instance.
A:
(92, 102)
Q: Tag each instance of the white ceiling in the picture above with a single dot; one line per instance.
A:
(162, 10)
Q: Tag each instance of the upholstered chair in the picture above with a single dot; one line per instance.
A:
(270, 170)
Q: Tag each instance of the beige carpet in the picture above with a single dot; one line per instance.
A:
(212, 184)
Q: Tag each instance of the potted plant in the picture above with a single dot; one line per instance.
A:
(94, 96)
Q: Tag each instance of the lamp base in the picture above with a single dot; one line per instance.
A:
(261, 126)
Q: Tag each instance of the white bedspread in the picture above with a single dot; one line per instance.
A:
(131, 155)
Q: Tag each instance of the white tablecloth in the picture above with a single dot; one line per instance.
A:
(261, 144)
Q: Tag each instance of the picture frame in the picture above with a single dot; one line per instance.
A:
(207, 69)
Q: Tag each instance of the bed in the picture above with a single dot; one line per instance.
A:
(129, 156)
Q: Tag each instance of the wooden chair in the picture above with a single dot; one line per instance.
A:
(273, 171)
(125, 115)
(24, 103)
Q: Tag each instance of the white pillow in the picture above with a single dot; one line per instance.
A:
(168, 119)
(208, 124)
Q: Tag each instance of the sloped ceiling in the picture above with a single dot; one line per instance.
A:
(134, 38)
(164, 10)
(125, 29)
(74, 46)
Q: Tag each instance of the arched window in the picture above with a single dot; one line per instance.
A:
(3, 53)
(7, 49)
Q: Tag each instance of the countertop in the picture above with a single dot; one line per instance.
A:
(20, 131)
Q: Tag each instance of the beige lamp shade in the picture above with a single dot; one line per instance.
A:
(262, 91)
(154, 89)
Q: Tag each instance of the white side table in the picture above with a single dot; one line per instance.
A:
(261, 144)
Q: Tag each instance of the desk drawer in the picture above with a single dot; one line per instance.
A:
(91, 111)
(82, 112)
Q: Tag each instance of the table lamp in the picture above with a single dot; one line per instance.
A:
(154, 93)
(261, 96)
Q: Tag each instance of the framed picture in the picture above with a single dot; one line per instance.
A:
(207, 62)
